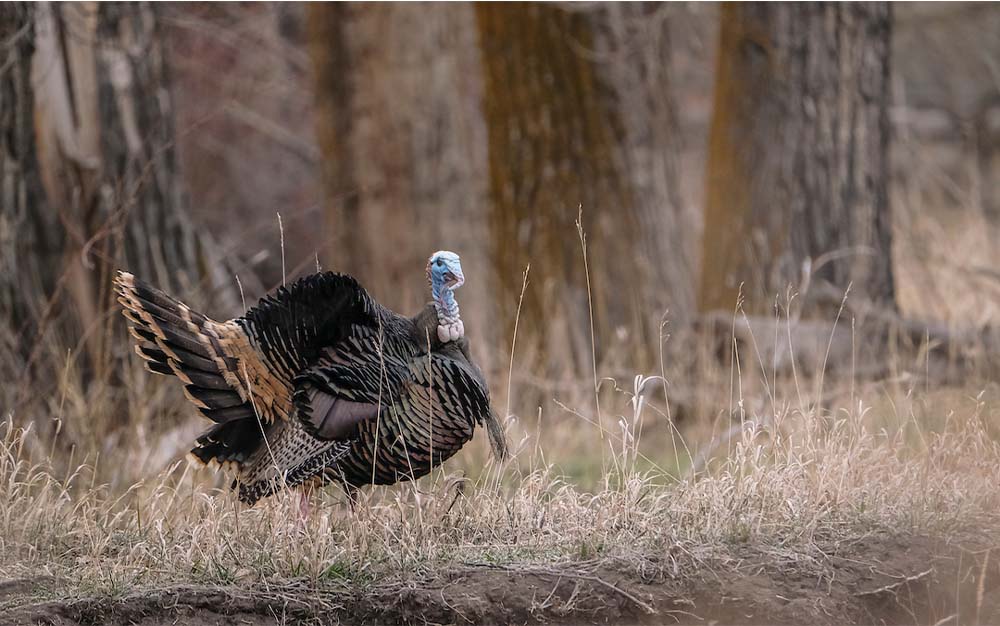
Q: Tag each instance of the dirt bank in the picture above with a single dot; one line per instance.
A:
(874, 580)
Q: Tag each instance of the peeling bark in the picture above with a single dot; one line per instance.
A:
(89, 167)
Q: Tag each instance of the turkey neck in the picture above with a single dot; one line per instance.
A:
(425, 324)
(445, 304)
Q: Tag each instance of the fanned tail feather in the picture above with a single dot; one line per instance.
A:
(174, 340)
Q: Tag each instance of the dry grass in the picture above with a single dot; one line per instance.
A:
(792, 482)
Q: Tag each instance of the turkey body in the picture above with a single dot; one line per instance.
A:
(318, 382)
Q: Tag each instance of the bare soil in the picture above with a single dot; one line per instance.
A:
(876, 580)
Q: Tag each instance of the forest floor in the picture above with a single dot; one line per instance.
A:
(875, 580)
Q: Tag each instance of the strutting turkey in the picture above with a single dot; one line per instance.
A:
(319, 382)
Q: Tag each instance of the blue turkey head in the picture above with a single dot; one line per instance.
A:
(444, 270)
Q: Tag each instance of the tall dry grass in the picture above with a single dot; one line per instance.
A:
(789, 480)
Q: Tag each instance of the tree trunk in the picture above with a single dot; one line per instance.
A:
(798, 155)
(22, 225)
(404, 145)
(90, 182)
(578, 118)
(328, 50)
(485, 129)
(634, 54)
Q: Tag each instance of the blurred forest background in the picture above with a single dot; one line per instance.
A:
(735, 169)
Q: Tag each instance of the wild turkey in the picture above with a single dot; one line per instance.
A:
(320, 382)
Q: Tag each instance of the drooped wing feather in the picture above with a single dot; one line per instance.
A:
(350, 381)
(366, 371)
(403, 412)
(433, 416)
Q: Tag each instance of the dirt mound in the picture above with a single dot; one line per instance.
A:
(875, 580)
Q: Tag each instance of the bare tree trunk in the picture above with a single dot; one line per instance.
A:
(92, 178)
(404, 144)
(634, 50)
(23, 225)
(798, 157)
(562, 136)
(329, 51)
(486, 129)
